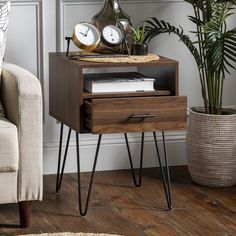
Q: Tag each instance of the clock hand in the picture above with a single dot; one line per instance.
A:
(82, 33)
(86, 33)
(112, 35)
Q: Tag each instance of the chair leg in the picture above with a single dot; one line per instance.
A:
(25, 213)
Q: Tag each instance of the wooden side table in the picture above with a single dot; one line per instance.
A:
(105, 113)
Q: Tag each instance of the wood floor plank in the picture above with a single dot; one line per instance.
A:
(118, 207)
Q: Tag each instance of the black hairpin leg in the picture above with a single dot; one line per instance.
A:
(164, 175)
(60, 171)
(136, 183)
(83, 212)
(59, 158)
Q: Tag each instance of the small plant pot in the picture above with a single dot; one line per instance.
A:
(139, 49)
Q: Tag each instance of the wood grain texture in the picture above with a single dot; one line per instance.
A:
(65, 91)
(85, 64)
(118, 207)
(166, 76)
(162, 92)
(117, 115)
(67, 98)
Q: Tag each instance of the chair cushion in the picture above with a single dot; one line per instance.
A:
(9, 151)
(4, 15)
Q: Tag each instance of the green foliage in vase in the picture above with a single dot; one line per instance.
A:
(139, 34)
(214, 49)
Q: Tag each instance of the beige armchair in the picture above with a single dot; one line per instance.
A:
(20, 140)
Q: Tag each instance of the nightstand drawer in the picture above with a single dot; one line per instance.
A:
(136, 114)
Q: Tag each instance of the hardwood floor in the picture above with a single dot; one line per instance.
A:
(118, 207)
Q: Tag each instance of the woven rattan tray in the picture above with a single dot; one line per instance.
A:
(109, 58)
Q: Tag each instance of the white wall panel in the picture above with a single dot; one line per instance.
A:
(38, 27)
(72, 12)
(24, 37)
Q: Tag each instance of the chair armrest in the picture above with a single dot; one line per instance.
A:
(22, 100)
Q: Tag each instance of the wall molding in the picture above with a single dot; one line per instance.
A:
(61, 4)
(60, 27)
(39, 36)
(39, 32)
(113, 153)
(107, 140)
(113, 147)
(121, 1)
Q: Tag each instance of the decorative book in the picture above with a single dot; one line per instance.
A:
(118, 82)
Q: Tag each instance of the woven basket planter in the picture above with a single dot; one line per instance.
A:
(211, 149)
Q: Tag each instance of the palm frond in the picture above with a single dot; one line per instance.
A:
(195, 20)
(220, 43)
(214, 50)
(205, 6)
(220, 12)
(157, 27)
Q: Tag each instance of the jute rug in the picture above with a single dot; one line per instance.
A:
(70, 234)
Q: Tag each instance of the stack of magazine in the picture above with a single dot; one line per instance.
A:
(118, 82)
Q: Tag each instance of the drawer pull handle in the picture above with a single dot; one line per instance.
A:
(142, 116)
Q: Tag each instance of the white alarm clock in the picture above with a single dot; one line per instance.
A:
(112, 35)
(86, 36)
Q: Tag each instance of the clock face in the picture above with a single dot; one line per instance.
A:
(112, 35)
(86, 36)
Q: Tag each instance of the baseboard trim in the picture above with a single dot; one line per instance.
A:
(113, 153)
(88, 140)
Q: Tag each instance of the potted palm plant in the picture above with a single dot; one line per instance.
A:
(211, 140)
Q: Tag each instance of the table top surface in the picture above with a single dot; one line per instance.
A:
(86, 64)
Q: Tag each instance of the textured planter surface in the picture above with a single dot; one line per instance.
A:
(211, 149)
